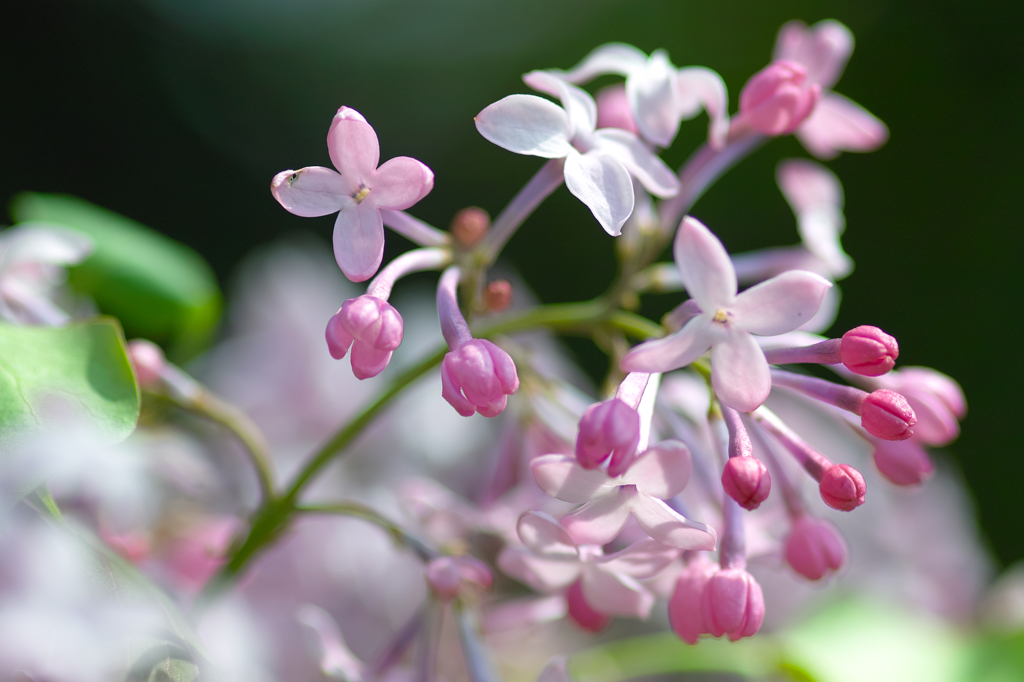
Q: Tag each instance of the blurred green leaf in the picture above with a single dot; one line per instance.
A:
(996, 657)
(83, 364)
(160, 289)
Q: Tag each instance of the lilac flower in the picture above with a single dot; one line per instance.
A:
(836, 124)
(32, 258)
(358, 191)
(777, 99)
(728, 321)
(598, 163)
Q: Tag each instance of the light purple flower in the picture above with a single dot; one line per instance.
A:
(727, 322)
(598, 163)
(358, 191)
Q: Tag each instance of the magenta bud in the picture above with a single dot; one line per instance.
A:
(842, 487)
(814, 547)
(746, 480)
(684, 607)
(777, 99)
(148, 360)
(478, 376)
(887, 415)
(732, 604)
(869, 351)
(611, 428)
(373, 329)
(903, 462)
(583, 613)
(447, 576)
(613, 109)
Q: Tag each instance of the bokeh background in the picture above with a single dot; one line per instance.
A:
(178, 112)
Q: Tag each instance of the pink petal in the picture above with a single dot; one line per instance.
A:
(451, 392)
(653, 99)
(671, 352)
(615, 594)
(704, 266)
(701, 88)
(598, 522)
(838, 124)
(651, 171)
(400, 183)
(662, 471)
(781, 304)
(555, 671)
(367, 361)
(540, 573)
(807, 183)
(358, 240)
(669, 527)
(310, 192)
(822, 49)
(578, 104)
(739, 372)
(526, 124)
(936, 424)
(603, 184)
(641, 560)
(563, 478)
(543, 535)
(617, 58)
(353, 146)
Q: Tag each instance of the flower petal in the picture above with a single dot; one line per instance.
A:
(822, 49)
(671, 352)
(310, 192)
(578, 104)
(598, 522)
(352, 144)
(43, 243)
(807, 183)
(400, 183)
(641, 560)
(701, 88)
(653, 99)
(617, 58)
(662, 471)
(563, 478)
(614, 594)
(603, 184)
(704, 266)
(358, 240)
(540, 573)
(527, 124)
(543, 535)
(838, 124)
(669, 527)
(651, 171)
(739, 371)
(780, 304)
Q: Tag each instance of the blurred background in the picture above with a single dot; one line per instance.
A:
(177, 113)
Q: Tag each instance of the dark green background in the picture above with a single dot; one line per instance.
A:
(178, 112)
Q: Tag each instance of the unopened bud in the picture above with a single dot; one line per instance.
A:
(732, 604)
(869, 351)
(746, 480)
(684, 607)
(903, 462)
(611, 428)
(373, 329)
(777, 99)
(148, 360)
(583, 613)
(469, 225)
(887, 415)
(498, 295)
(448, 575)
(814, 547)
(842, 487)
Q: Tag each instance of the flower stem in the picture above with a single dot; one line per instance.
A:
(359, 511)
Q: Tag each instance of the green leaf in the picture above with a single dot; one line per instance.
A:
(160, 289)
(996, 657)
(83, 364)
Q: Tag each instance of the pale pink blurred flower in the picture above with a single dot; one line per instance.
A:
(777, 99)
(33, 258)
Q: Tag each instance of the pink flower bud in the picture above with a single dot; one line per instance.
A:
(498, 295)
(470, 225)
(684, 607)
(903, 462)
(148, 360)
(478, 376)
(372, 327)
(746, 480)
(448, 575)
(583, 613)
(777, 99)
(842, 487)
(814, 547)
(887, 415)
(732, 604)
(613, 109)
(608, 428)
(869, 351)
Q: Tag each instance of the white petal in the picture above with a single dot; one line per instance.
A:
(527, 124)
(704, 266)
(781, 304)
(43, 243)
(540, 573)
(671, 352)
(699, 88)
(641, 560)
(653, 99)
(825, 316)
(617, 58)
(598, 522)
(739, 371)
(603, 184)
(310, 192)
(837, 125)
(578, 104)
(662, 471)
(616, 595)
(651, 171)
(543, 535)
(807, 183)
(563, 478)
(669, 527)
(358, 240)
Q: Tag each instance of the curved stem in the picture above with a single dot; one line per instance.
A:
(413, 228)
(359, 511)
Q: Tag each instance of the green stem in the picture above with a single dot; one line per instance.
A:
(355, 510)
